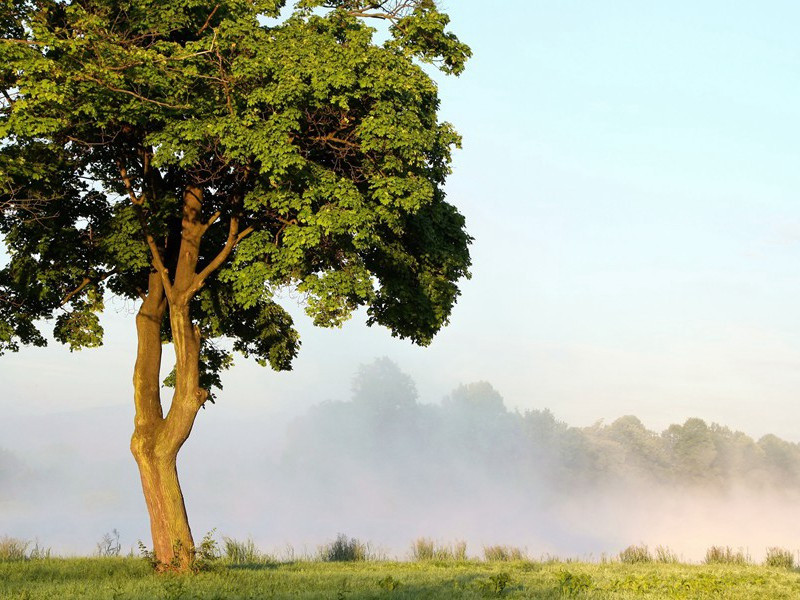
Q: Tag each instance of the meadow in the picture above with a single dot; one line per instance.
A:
(344, 571)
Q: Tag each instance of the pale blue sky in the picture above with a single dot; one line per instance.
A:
(630, 175)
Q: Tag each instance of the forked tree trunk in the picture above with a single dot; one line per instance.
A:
(157, 439)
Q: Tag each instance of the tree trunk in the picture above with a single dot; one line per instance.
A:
(173, 546)
(157, 439)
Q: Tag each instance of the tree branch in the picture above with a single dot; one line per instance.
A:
(158, 263)
(234, 237)
(130, 93)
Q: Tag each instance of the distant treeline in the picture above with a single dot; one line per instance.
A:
(384, 436)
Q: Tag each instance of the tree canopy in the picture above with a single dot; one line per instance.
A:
(314, 152)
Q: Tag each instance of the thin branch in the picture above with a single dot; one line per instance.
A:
(86, 281)
(208, 20)
(158, 263)
(234, 237)
(130, 93)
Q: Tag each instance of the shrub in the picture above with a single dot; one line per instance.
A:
(12, 548)
(574, 584)
(725, 555)
(502, 553)
(779, 557)
(635, 554)
(427, 549)
(344, 549)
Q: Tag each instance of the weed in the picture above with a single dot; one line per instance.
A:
(665, 555)
(12, 548)
(243, 553)
(779, 557)
(572, 584)
(725, 555)
(635, 554)
(502, 553)
(344, 589)
(109, 544)
(344, 549)
(496, 584)
(388, 583)
(427, 549)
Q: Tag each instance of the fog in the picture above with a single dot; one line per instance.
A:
(387, 467)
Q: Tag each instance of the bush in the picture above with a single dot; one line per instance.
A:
(13, 548)
(635, 554)
(502, 553)
(779, 557)
(344, 549)
(427, 549)
(725, 555)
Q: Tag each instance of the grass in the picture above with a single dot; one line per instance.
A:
(119, 578)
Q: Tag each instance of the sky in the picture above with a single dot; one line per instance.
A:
(629, 175)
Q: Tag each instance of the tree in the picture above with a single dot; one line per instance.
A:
(202, 155)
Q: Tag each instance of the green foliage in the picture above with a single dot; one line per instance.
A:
(324, 145)
(635, 554)
(101, 579)
(495, 584)
(779, 558)
(344, 549)
(573, 584)
(389, 583)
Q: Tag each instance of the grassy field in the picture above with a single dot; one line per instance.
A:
(133, 579)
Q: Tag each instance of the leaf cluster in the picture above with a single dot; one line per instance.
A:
(324, 144)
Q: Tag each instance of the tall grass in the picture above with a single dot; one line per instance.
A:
(238, 552)
(780, 558)
(502, 553)
(726, 555)
(428, 549)
(13, 548)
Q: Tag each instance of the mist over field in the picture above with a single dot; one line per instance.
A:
(388, 467)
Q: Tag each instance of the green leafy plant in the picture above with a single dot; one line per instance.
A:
(573, 584)
(388, 583)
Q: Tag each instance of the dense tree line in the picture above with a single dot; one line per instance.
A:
(471, 442)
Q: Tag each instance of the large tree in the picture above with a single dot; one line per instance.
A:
(200, 156)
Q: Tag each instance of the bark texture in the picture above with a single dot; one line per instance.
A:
(157, 439)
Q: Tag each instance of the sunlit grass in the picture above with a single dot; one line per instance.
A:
(132, 579)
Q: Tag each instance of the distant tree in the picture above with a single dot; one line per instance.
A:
(383, 386)
(692, 451)
(199, 156)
